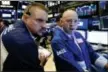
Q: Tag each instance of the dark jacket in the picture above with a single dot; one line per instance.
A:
(23, 52)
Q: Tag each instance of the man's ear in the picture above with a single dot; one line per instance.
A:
(61, 21)
(25, 17)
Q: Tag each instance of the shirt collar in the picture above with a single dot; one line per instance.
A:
(69, 35)
(30, 33)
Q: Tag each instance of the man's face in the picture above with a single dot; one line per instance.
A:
(69, 22)
(36, 21)
(1, 25)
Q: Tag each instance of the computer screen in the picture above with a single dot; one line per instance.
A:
(104, 22)
(93, 8)
(94, 23)
(86, 10)
(103, 6)
(6, 15)
(83, 24)
(98, 37)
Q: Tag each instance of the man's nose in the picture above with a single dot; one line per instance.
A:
(72, 23)
(44, 26)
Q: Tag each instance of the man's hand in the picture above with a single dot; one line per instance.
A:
(106, 67)
(43, 55)
(42, 59)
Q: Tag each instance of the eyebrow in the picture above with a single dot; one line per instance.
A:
(39, 19)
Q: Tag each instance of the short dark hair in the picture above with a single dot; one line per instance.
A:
(34, 4)
(1, 20)
(5, 22)
(58, 18)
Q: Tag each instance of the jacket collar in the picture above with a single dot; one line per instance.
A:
(62, 33)
(21, 24)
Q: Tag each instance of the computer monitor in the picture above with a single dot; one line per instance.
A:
(83, 24)
(103, 8)
(104, 22)
(98, 37)
(94, 23)
(86, 10)
(6, 15)
(102, 5)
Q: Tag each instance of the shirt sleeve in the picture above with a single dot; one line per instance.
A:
(101, 61)
(93, 55)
